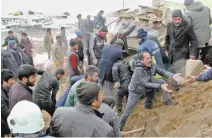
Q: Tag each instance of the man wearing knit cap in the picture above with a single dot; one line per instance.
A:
(110, 54)
(180, 42)
(199, 17)
(83, 120)
(90, 75)
(96, 45)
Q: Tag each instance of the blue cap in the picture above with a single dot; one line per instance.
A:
(11, 43)
(141, 33)
(79, 34)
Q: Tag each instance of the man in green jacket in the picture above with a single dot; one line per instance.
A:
(199, 17)
(90, 75)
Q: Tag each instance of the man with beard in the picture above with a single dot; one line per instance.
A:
(90, 75)
(21, 90)
(45, 91)
(180, 42)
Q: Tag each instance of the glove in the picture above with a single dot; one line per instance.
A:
(117, 85)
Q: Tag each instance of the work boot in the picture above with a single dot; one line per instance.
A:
(170, 102)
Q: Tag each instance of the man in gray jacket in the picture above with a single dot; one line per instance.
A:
(83, 120)
(109, 115)
(45, 91)
(199, 17)
(142, 83)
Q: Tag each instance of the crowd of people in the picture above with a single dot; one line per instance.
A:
(84, 110)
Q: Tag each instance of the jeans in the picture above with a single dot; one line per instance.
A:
(109, 86)
(134, 97)
(119, 95)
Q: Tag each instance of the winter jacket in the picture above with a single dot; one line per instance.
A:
(110, 54)
(17, 55)
(79, 121)
(96, 45)
(72, 100)
(7, 39)
(80, 51)
(57, 53)
(199, 17)
(177, 41)
(73, 63)
(87, 27)
(80, 24)
(65, 44)
(99, 21)
(19, 92)
(23, 57)
(142, 78)
(48, 41)
(128, 31)
(111, 118)
(206, 76)
(27, 46)
(122, 73)
(8, 61)
(46, 88)
(4, 111)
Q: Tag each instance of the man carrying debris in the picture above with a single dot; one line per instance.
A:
(83, 120)
(44, 94)
(110, 54)
(122, 34)
(10, 37)
(48, 42)
(142, 83)
(64, 41)
(90, 75)
(200, 19)
(122, 75)
(110, 116)
(21, 90)
(99, 20)
(57, 52)
(96, 45)
(27, 46)
(180, 42)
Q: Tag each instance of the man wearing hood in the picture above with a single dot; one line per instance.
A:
(64, 41)
(199, 17)
(142, 83)
(180, 42)
(110, 54)
(96, 45)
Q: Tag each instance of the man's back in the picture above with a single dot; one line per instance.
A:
(79, 121)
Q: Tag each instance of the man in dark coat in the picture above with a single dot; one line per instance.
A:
(99, 20)
(122, 34)
(122, 75)
(21, 90)
(83, 120)
(10, 37)
(180, 41)
(7, 80)
(79, 38)
(110, 116)
(45, 91)
(110, 54)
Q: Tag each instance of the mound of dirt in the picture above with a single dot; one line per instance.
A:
(191, 117)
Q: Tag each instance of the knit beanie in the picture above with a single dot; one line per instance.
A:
(73, 42)
(141, 33)
(103, 29)
(79, 34)
(177, 13)
(188, 2)
(119, 42)
(87, 92)
(11, 43)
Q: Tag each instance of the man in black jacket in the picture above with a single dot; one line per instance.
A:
(10, 37)
(7, 80)
(180, 42)
(45, 91)
(121, 76)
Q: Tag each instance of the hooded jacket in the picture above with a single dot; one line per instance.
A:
(79, 121)
(199, 17)
(180, 41)
(142, 78)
